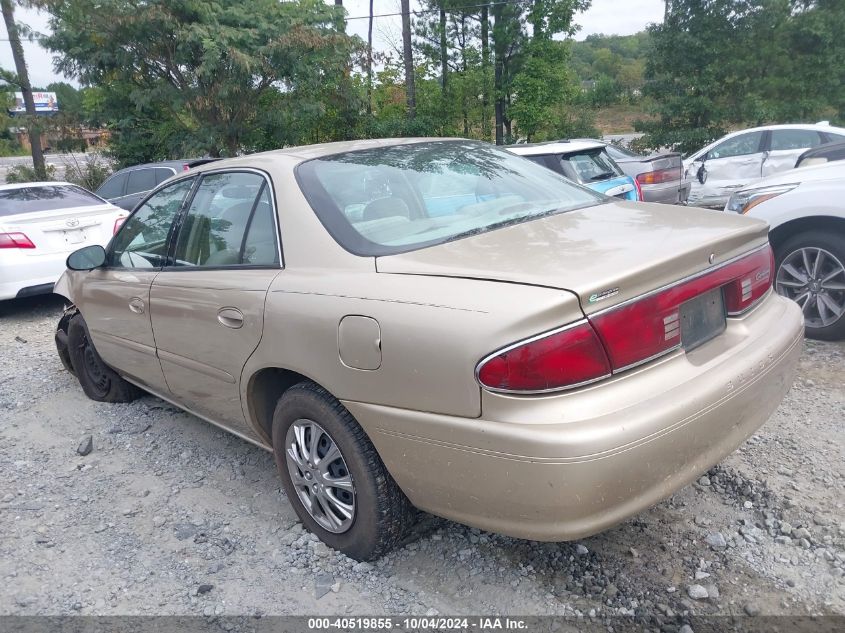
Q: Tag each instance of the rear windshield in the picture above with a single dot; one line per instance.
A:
(400, 198)
(44, 198)
(593, 165)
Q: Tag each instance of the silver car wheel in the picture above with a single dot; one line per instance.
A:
(815, 279)
(320, 476)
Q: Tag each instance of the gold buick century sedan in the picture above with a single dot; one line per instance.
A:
(439, 324)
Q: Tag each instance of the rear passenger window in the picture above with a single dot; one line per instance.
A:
(260, 245)
(113, 187)
(217, 230)
(162, 174)
(795, 139)
(141, 180)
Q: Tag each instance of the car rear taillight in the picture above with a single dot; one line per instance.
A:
(639, 190)
(15, 240)
(117, 224)
(623, 336)
(647, 327)
(560, 359)
(658, 176)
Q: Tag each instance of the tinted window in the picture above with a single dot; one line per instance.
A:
(47, 198)
(261, 245)
(162, 174)
(142, 240)
(217, 220)
(403, 197)
(795, 139)
(737, 146)
(141, 180)
(593, 166)
(113, 187)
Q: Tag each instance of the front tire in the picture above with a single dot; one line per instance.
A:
(333, 476)
(99, 381)
(811, 271)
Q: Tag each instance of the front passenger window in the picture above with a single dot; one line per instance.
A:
(737, 146)
(223, 210)
(142, 240)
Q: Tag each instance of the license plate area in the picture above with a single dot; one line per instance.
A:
(702, 319)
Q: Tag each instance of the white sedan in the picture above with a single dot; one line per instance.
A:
(41, 223)
(742, 158)
(805, 209)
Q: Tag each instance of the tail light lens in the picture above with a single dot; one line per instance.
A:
(640, 196)
(658, 176)
(117, 224)
(623, 336)
(563, 358)
(645, 328)
(15, 240)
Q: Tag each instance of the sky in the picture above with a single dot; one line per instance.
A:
(620, 17)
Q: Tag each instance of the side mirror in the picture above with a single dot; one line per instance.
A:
(702, 174)
(87, 258)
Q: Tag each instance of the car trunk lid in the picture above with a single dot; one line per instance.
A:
(63, 230)
(606, 254)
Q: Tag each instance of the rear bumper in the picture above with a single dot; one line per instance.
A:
(669, 193)
(26, 275)
(573, 464)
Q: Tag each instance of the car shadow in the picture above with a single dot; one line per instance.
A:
(39, 306)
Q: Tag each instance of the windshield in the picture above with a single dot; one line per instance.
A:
(45, 198)
(400, 198)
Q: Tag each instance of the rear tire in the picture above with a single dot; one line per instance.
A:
(821, 289)
(99, 381)
(369, 514)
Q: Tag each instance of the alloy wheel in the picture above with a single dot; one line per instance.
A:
(815, 279)
(320, 476)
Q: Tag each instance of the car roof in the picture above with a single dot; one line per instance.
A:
(554, 147)
(175, 164)
(45, 183)
(302, 153)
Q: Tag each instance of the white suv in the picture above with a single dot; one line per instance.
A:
(805, 209)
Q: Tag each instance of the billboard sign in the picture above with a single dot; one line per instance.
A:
(45, 103)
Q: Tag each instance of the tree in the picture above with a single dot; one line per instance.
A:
(408, 59)
(370, 60)
(716, 64)
(200, 69)
(22, 81)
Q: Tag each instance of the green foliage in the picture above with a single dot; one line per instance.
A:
(722, 63)
(543, 84)
(69, 98)
(196, 71)
(26, 173)
(89, 173)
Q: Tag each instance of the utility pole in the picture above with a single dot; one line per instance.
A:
(32, 128)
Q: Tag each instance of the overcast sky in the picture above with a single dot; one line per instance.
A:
(621, 17)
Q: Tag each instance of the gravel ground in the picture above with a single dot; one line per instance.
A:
(169, 515)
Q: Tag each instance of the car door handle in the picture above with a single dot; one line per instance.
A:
(231, 317)
(136, 305)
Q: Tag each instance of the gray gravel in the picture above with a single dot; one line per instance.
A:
(169, 515)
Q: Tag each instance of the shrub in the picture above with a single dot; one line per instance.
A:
(26, 173)
(90, 173)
